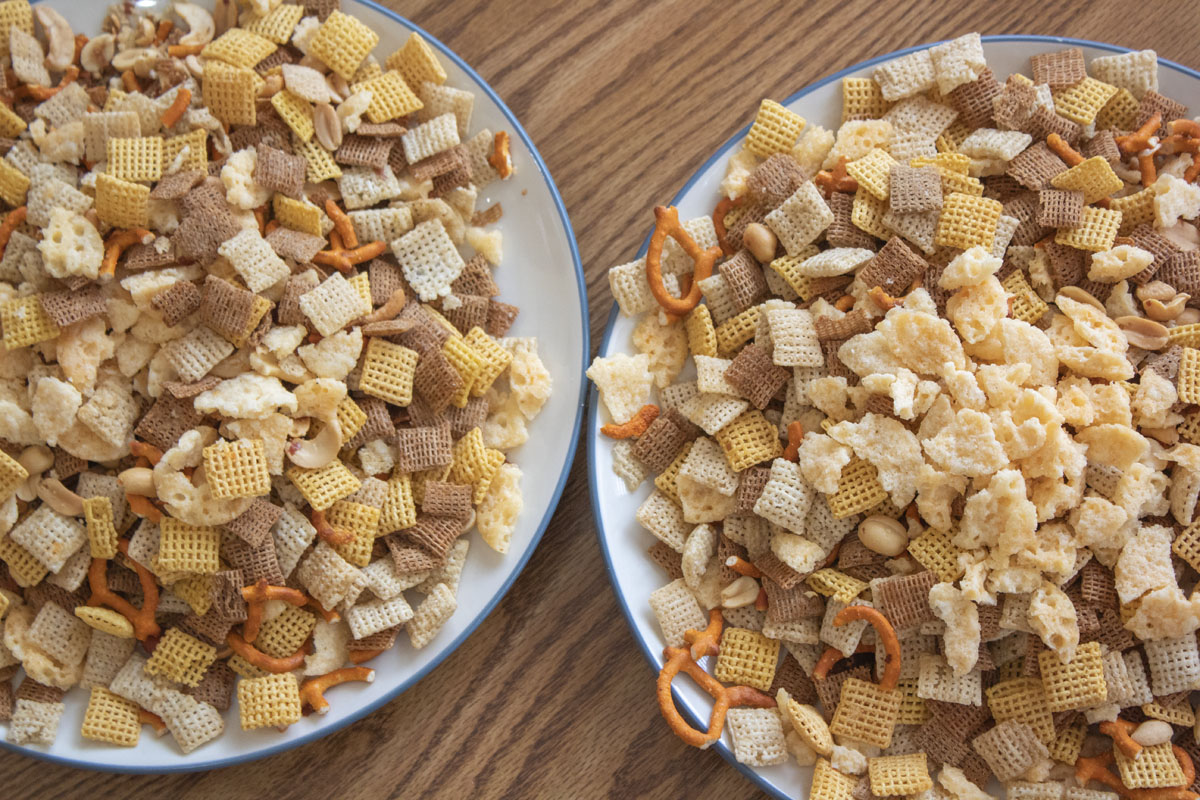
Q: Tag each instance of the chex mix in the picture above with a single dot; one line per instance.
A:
(919, 403)
(256, 383)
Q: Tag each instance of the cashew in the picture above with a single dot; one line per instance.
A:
(201, 25)
(138, 480)
(36, 459)
(60, 498)
(59, 35)
(195, 66)
(742, 592)
(1144, 333)
(98, 53)
(139, 59)
(318, 451)
(327, 126)
(147, 32)
(225, 16)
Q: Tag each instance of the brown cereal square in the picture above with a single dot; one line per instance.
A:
(1045, 122)
(176, 185)
(386, 279)
(168, 419)
(423, 448)
(444, 499)
(1103, 144)
(661, 442)
(791, 676)
(750, 486)
(842, 232)
(299, 246)
(253, 525)
(1060, 69)
(1035, 166)
(744, 279)
(893, 268)
(487, 216)
(914, 189)
(1181, 271)
(769, 565)
(280, 171)
(177, 302)
(775, 180)
(226, 309)
(904, 599)
(364, 151)
(1154, 103)
(1146, 237)
(472, 312)
(437, 381)
(668, 558)
(1067, 265)
(974, 100)
(408, 556)
(66, 307)
(754, 374)
(501, 317)
(435, 534)
(254, 562)
(1059, 208)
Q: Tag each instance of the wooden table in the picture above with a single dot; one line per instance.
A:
(550, 697)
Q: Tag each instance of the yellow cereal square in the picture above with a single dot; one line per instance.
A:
(862, 99)
(299, 215)
(898, 775)
(467, 363)
(111, 718)
(866, 712)
(14, 184)
(11, 125)
(122, 204)
(296, 112)
(1095, 232)
(968, 221)
(1079, 684)
(1155, 767)
(867, 214)
(387, 371)
(702, 336)
(342, 42)
(190, 148)
(830, 582)
(391, 97)
(873, 172)
(416, 62)
(1022, 700)
(25, 569)
(324, 486)
(935, 550)
(858, 489)
(829, 784)
(747, 657)
(25, 322)
(748, 440)
(1093, 176)
(181, 657)
(1136, 209)
(278, 24)
(188, 548)
(1120, 113)
(237, 469)
(362, 522)
(321, 166)
(102, 535)
(196, 591)
(1027, 306)
(272, 701)
(350, 417)
(240, 47)
(1083, 101)
(14, 14)
(495, 360)
(230, 92)
(399, 508)
(775, 130)
(12, 475)
(135, 159)
(735, 332)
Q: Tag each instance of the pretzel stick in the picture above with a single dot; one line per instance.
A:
(142, 619)
(1070, 156)
(182, 100)
(256, 597)
(263, 661)
(795, 435)
(144, 507)
(1119, 729)
(312, 691)
(636, 426)
(743, 567)
(115, 245)
(718, 217)
(342, 224)
(12, 221)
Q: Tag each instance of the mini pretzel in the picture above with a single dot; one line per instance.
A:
(666, 223)
(115, 245)
(363, 656)
(341, 224)
(12, 221)
(184, 50)
(708, 641)
(343, 259)
(328, 616)
(501, 158)
(153, 720)
(836, 180)
(182, 100)
(142, 619)
(256, 597)
(635, 426)
(831, 656)
(1095, 768)
(795, 435)
(329, 534)
(1146, 167)
(1133, 143)
(718, 217)
(147, 451)
(263, 661)
(163, 31)
(743, 567)
(40, 93)
(884, 633)
(1119, 729)
(312, 691)
(1060, 148)
(680, 660)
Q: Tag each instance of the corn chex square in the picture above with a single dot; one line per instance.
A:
(747, 657)
(188, 548)
(391, 97)
(1096, 231)
(775, 130)
(110, 718)
(135, 159)
(387, 371)
(181, 657)
(324, 486)
(1079, 684)
(342, 42)
(898, 775)
(866, 712)
(237, 469)
(417, 62)
(968, 221)
(269, 701)
(122, 204)
(229, 92)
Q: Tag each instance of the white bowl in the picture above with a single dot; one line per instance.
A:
(622, 540)
(541, 274)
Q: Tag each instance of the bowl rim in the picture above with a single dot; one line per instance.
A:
(593, 395)
(556, 496)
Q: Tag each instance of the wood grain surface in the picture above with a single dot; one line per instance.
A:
(551, 698)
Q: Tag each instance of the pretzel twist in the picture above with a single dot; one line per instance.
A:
(256, 597)
(263, 661)
(312, 691)
(142, 619)
(884, 633)
(666, 223)
(718, 217)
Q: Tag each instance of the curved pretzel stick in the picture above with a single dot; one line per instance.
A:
(1095, 768)
(263, 661)
(362, 656)
(884, 632)
(500, 157)
(743, 567)
(184, 50)
(666, 223)
(342, 224)
(144, 507)
(1139, 140)
(142, 619)
(718, 217)
(183, 99)
(153, 720)
(708, 641)
(12, 221)
(256, 597)
(795, 435)
(1146, 167)
(1119, 729)
(149, 452)
(831, 656)
(329, 534)
(46, 92)
(636, 426)
(312, 691)
(343, 259)
(115, 245)
(1070, 156)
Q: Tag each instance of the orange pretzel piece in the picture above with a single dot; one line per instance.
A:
(341, 224)
(1119, 729)
(1133, 143)
(147, 451)
(666, 223)
(153, 720)
(142, 619)
(883, 299)
(130, 82)
(329, 534)
(184, 50)
(256, 597)
(743, 567)
(312, 692)
(144, 507)
(836, 180)
(1095, 768)
(718, 217)
(636, 426)
(831, 656)
(263, 661)
(1146, 167)
(845, 302)
(702, 643)
(328, 616)
(41, 93)
(884, 632)
(795, 435)
(115, 245)
(761, 602)
(1060, 148)
(343, 259)
(389, 310)
(182, 100)
(363, 656)
(501, 157)
(12, 221)
(163, 31)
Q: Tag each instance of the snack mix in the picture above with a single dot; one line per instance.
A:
(252, 396)
(926, 490)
